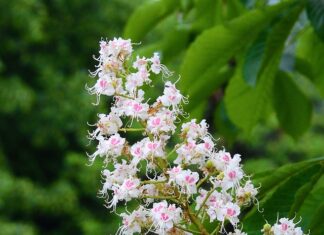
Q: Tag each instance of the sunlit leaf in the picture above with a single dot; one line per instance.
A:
(146, 16)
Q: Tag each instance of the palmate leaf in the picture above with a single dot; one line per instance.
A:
(315, 13)
(293, 108)
(286, 197)
(247, 105)
(214, 47)
(147, 16)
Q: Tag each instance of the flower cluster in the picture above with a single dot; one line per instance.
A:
(283, 227)
(183, 184)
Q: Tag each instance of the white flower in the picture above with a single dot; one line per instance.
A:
(171, 96)
(153, 148)
(127, 191)
(286, 227)
(165, 216)
(132, 222)
(222, 159)
(162, 121)
(109, 147)
(246, 193)
(107, 85)
(230, 212)
(232, 177)
(206, 147)
(140, 63)
(192, 130)
(156, 64)
(122, 171)
(107, 125)
(188, 154)
(186, 179)
(237, 232)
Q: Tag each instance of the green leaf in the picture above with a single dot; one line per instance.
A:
(311, 206)
(303, 192)
(310, 49)
(223, 124)
(147, 16)
(281, 200)
(215, 79)
(228, 10)
(315, 13)
(204, 14)
(214, 47)
(316, 226)
(253, 60)
(246, 105)
(293, 108)
(269, 181)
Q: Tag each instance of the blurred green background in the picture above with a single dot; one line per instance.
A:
(46, 50)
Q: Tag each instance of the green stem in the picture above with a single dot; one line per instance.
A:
(196, 221)
(172, 151)
(125, 96)
(132, 129)
(162, 198)
(187, 230)
(153, 182)
(203, 180)
(205, 200)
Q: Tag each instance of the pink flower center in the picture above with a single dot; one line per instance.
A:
(138, 151)
(232, 174)
(156, 121)
(284, 227)
(157, 209)
(226, 158)
(207, 145)
(114, 141)
(176, 170)
(129, 184)
(103, 83)
(172, 97)
(230, 212)
(189, 179)
(137, 107)
(190, 146)
(164, 216)
(152, 146)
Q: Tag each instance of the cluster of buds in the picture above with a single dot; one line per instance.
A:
(186, 181)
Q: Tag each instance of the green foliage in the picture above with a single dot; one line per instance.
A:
(290, 187)
(46, 51)
(244, 62)
(147, 16)
(287, 95)
(222, 41)
(309, 51)
(315, 12)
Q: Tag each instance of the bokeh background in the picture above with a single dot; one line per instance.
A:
(46, 50)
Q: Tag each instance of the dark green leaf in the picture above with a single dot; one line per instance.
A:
(252, 103)
(292, 107)
(253, 60)
(214, 47)
(310, 49)
(280, 201)
(315, 13)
